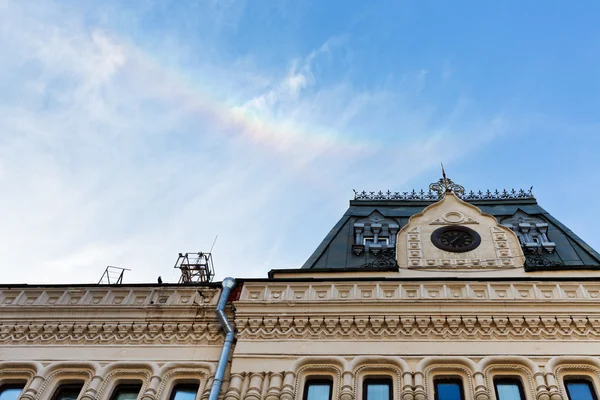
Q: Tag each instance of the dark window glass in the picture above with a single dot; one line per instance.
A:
(317, 390)
(377, 389)
(68, 392)
(509, 389)
(580, 390)
(126, 392)
(11, 392)
(184, 392)
(448, 389)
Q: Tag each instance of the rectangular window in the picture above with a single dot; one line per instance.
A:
(317, 390)
(377, 389)
(184, 392)
(580, 389)
(370, 240)
(448, 389)
(11, 392)
(68, 392)
(126, 392)
(509, 389)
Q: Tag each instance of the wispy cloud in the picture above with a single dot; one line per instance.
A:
(109, 156)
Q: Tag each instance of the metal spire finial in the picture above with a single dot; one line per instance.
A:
(445, 185)
(445, 179)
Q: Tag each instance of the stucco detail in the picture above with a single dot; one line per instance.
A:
(499, 246)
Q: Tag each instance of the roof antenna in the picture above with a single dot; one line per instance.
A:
(196, 267)
(213, 245)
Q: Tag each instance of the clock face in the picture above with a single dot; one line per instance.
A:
(457, 239)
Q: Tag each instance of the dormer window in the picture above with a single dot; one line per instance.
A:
(531, 231)
(374, 233)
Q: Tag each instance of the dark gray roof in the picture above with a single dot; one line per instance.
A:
(335, 251)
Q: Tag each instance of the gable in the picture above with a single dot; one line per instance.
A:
(497, 246)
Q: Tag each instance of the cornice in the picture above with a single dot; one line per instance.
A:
(110, 333)
(392, 292)
(421, 327)
(102, 297)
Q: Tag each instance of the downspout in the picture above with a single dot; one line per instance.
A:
(228, 284)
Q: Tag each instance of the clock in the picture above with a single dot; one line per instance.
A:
(455, 238)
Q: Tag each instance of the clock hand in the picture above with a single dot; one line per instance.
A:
(454, 240)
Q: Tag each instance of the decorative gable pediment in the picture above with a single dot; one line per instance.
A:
(453, 234)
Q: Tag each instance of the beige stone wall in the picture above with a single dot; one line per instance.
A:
(499, 246)
(103, 336)
(540, 332)
(413, 333)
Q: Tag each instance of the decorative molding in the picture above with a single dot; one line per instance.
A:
(301, 377)
(449, 367)
(109, 297)
(452, 218)
(522, 371)
(108, 382)
(577, 367)
(97, 333)
(199, 374)
(432, 195)
(358, 378)
(81, 371)
(390, 291)
(421, 327)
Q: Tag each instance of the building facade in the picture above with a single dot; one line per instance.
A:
(443, 295)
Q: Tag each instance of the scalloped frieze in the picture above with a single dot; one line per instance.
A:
(344, 291)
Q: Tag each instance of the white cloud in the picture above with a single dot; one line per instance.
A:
(109, 157)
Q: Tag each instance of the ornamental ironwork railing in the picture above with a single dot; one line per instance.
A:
(432, 195)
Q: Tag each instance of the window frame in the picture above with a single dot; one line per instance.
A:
(509, 380)
(453, 379)
(588, 382)
(122, 386)
(377, 380)
(183, 385)
(67, 385)
(317, 381)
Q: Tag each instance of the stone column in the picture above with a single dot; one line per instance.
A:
(92, 390)
(287, 390)
(235, 387)
(152, 389)
(481, 392)
(255, 388)
(347, 388)
(274, 386)
(32, 390)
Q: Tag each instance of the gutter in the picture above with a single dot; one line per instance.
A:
(228, 284)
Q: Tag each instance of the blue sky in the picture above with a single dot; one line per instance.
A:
(135, 130)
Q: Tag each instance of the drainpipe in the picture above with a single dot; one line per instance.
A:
(228, 284)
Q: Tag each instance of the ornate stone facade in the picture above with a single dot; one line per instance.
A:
(410, 324)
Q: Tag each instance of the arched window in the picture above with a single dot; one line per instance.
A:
(448, 389)
(580, 389)
(377, 389)
(318, 389)
(126, 392)
(509, 389)
(12, 391)
(184, 391)
(68, 391)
